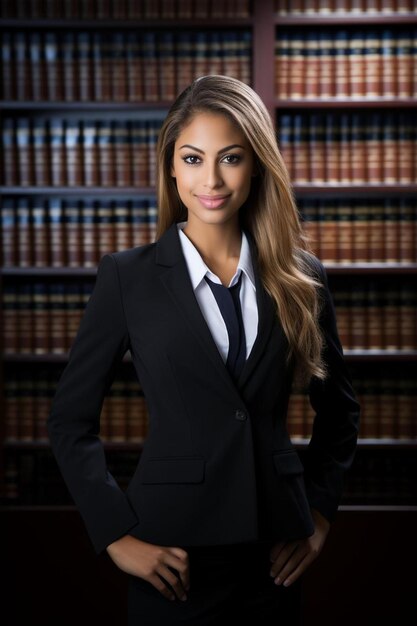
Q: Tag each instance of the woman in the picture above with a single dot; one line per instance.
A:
(222, 314)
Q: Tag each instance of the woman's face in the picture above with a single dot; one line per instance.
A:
(213, 164)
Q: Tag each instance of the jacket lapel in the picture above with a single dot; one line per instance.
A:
(177, 282)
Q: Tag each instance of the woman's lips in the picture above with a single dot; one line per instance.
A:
(212, 202)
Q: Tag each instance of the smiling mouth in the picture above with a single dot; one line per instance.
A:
(213, 202)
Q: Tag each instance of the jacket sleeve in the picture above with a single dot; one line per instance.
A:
(332, 446)
(73, 423)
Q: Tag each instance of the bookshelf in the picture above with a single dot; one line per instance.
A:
(61, 105)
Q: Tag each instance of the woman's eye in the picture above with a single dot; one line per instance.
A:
(233, 156)
(190, 156)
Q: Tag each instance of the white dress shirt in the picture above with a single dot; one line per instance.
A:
(208, 304)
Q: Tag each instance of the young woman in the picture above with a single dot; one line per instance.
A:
(222, 314)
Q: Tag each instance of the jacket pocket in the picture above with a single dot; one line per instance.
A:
(288, 462)
(172, 470)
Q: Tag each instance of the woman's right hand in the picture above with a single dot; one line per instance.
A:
(150, 561)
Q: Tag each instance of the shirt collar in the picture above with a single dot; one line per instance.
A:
(198, 269)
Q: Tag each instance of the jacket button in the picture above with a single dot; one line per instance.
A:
(240, 415)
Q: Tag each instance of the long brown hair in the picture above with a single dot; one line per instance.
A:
(270, 213)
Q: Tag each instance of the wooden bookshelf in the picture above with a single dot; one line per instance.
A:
(265, 26)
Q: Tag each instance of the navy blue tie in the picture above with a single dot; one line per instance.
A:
(229, 304)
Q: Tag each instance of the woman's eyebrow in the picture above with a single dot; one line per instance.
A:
(234, 145)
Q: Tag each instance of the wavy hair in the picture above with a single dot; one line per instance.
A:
(269, 214)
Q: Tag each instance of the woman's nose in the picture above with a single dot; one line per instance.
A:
(212, 176)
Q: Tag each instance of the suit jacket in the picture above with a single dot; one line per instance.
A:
(218, 465)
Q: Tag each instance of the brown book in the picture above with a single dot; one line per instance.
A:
(356, 65)
(312, 138)
(391, 319)
(25, 318)
(58, 318)
(119, 67)
(303, 143)
(391, 218)
(26, 409)
(40, 233)
(390, 150)
(341, 65)
(360, 232)
(387, 409)
(22, 66)
(72, 230)
(150, 66)
(406, 422)
(73, 153)
(57, 148)
(375, 317)
(11, 410)
(134, 69)
(42, 166)
(42, 404)
(122, 147)
(122, 224)
(91, 175)
(327, 80)
(346, 159)
(345, 211)
(84, 64)
(370, 401)
(282, 67)
(9, 230)
(53, 67)
(374, 145)
(372, 65)
(89, 233)
(24, 233)
(297, 64)
(376, 232)
(8, 70)
(331, 157)
(407, 234)
(344, 313)
(9, 161)
(10, 320)
(406, 149)
(69, 67)
(106, 152)
(102, 67)
(404, 51)
(24, 151)
(105, 229)
(408, 317)
(358, 149)
(328, 233)
(140, 164)
(388, 64)
(37, 68)
(358, 317)
(41, 321)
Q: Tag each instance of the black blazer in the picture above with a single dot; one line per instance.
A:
(218, 465)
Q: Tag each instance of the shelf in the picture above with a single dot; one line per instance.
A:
(129, 446)
(343, 19)
(370, 268)
(350, 355)
(380, 355)
(331, 268)
(72, 507)
(351, 103)
(112, 24)
(370, 443)
(348, 188)
(28, 105)
(69, 191)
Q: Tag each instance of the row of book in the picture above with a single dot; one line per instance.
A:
(71, 152)
(119, 66)
(349, 148)
(123, 9)
(42, 231)
(387, 398)
(361, 230)
(385, 478)
(346, 64)
(387, 409)
(376, 314)
(42, 317)
(72, 232)
(330, 7)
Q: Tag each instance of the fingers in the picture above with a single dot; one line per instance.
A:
(170, 577)
(289, 561)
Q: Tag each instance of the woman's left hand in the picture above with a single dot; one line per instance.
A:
(291, 558)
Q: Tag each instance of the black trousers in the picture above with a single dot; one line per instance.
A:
(227, 582)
